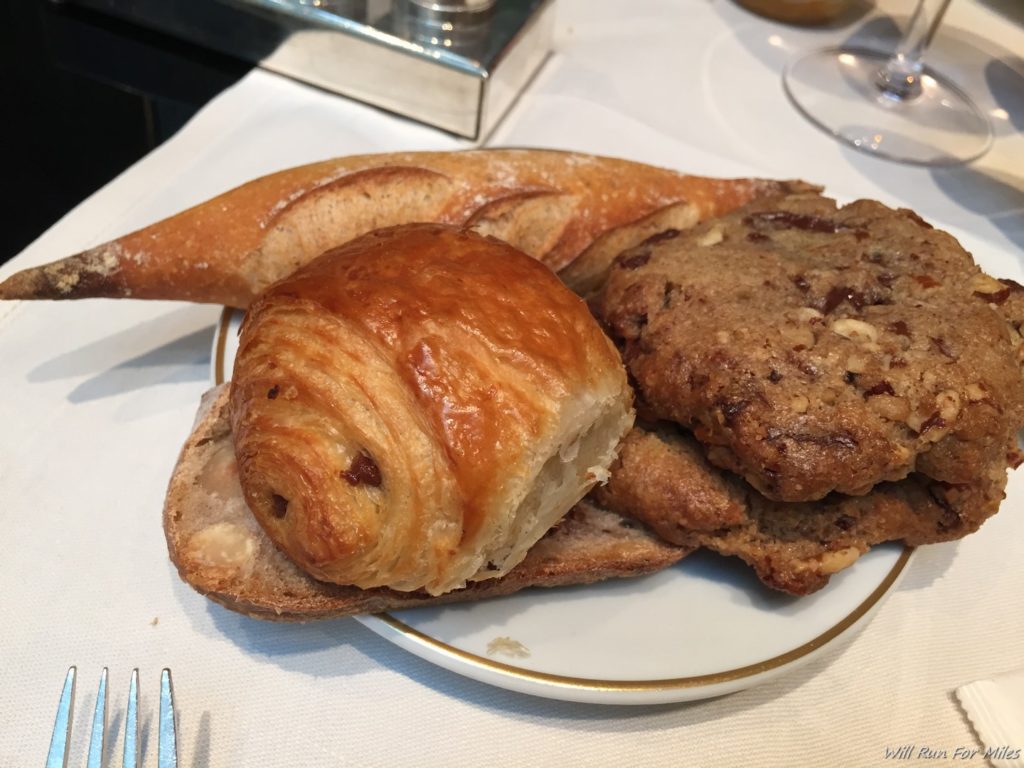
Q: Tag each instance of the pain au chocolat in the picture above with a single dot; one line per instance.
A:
(416, 408)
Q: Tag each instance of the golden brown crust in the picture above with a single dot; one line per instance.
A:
(221, 552)
(551, 204)
(417, 407)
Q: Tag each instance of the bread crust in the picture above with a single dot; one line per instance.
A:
(553, 205)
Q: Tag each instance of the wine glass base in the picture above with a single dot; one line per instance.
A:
(837, 90)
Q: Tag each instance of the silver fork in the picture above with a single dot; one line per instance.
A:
(60, 742)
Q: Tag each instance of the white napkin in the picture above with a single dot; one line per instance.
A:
(995, 708)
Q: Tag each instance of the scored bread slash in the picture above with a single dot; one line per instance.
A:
(220, 550)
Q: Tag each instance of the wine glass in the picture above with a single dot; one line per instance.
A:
(891, 106)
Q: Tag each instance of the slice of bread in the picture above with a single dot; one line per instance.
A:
(220, 550)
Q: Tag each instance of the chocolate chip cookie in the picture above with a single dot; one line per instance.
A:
(814, 349)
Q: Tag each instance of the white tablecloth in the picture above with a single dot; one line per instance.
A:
(99, 395)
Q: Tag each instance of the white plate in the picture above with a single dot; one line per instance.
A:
(703, 628)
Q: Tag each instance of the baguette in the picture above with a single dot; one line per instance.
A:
(552, 205)
(221, 551)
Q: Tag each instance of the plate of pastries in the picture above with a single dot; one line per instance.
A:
(572, 425)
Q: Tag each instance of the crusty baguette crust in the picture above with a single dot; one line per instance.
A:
(220, 550)
(553, 205)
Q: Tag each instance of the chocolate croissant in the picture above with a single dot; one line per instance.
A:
(555, 206)
(221, 552)
(416, 408)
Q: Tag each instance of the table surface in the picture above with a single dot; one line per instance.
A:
(100, 395)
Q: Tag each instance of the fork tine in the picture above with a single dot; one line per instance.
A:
(98, 739)
(131, 724)
(167, 744)
(57, 757)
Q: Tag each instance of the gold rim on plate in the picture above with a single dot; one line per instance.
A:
(672, 683)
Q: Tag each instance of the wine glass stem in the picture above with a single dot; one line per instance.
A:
(900, 78)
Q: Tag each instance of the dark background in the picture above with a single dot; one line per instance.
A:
(85, 96)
